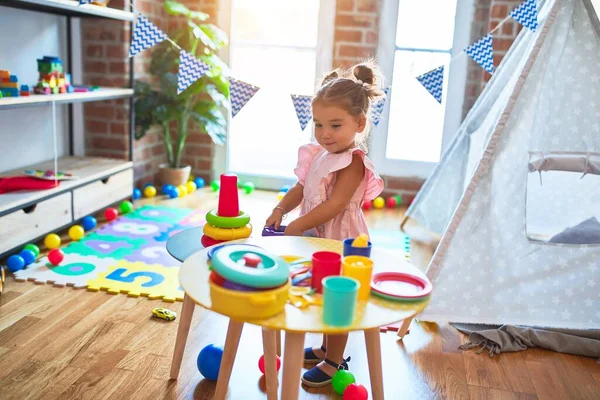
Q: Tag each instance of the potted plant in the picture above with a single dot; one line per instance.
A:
(203, 103)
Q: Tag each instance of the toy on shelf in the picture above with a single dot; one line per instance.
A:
(52, 79)
(9, 84)
(49, 175)
(24, 90)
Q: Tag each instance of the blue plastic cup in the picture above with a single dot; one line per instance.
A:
(339, 300)
(350, 250)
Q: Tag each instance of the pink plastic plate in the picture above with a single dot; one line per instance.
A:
(400, 285)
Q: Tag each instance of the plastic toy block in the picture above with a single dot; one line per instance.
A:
(12, 85)
(1, 95)
(4, 74)
(69, 89)
(25, 88)
(13, 78)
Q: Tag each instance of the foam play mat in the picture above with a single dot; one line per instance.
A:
(127, 255)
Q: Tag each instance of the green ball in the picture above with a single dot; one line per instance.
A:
(398, 199)
(249, 187)
(126, 207)
(34, 248)
(214, 185)
(341, 380)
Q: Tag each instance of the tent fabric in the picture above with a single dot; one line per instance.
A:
(544, 98)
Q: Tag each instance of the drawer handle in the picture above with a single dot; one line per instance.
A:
(30, 209)
(105, 180)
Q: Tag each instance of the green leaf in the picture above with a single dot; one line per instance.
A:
(202, 36)
(176, 8)
(217, 36)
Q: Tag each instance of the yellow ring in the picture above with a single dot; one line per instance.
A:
(227, 233)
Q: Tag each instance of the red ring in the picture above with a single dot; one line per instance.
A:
(207, 241)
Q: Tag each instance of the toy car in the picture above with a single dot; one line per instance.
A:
(163, 313)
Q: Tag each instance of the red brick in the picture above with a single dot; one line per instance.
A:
(98, 110)
(198, 150)
(356, 51)
(199, 138)
(345, 5)
(368, 5)
(354, 21)
(346, 35)
(482, 14)
(116, 51)
(372, 38)
(118, 67)
(94, 51)
(119, 128)
(92, 126)
(110, 81)
(408, 184)
(203, 165)
(499, 11)
(502, 45)
(98, 67)
(110, 142)
(508, 28)
(498, 59)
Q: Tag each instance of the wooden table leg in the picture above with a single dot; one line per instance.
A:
(292, 365)
(269, 346)
(185, 320)
(373, 342)
(404, 328)
(279, 343)
(234, 332)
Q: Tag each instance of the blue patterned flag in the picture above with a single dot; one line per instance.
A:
(377, 108)
(433, 81)
(482, 53)
(302, 105)
(145, 35)
(190, 70)
(526, 14)
(240, 93)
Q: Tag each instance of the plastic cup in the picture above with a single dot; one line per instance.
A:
(350, 250)
(339, 300)
(324, 264)
(361, 269)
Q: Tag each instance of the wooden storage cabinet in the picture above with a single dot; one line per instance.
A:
(31, 222)
(99, 194)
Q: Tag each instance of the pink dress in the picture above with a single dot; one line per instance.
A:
(316, 172)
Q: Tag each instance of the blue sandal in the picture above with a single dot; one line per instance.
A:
(310, 357)
(315, 377)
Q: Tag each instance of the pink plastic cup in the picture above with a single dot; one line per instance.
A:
(324, 264)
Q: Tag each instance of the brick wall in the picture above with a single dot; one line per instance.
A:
(356, 31)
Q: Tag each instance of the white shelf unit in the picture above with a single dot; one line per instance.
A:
(27, 216)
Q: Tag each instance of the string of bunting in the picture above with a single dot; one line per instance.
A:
(146, 35)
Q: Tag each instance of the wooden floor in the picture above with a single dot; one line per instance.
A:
(63, 343)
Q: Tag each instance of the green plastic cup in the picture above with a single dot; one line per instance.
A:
(339, 300)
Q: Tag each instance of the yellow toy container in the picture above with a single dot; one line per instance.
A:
(249, 305)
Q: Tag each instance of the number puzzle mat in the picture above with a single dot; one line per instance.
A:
(127, 255)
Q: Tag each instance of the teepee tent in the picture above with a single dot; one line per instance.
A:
(517, 194)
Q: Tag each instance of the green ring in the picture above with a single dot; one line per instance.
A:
(227, 222)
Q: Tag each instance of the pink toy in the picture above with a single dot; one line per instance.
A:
(355, 391)
(261, 363)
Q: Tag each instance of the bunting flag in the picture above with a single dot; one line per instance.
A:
(145, 35)
(482, 53)
(433, 81)
(302, 105)
(526, 14)
(240, 93)
(377, 108)
(190, 70)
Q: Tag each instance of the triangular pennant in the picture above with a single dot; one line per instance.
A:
(302, 105)
(190, 70)
(526, 14)
(145, 35)
(433, 81)
(240, 93)
(377, 108)
(482, 53)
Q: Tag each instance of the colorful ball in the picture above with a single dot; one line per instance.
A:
(261, 363)
(137, 193)
(285, 188)
(367, 205)
(15, 263)
(182, 190)
(150, 191)
(146, 185)
(379, 203)
(28, 256)
(398, 199)
(391, 202)
(111, 213)
(280, 195)
(125, 207)
(52, 241)
(191, 178)
(199, 183)
(354, 391)
(89, 223)
(190, 186)
(173, 193)
(341, 380)
(56, 256)
(214, 185)
(209, 361)
(167, 188)
(249, 187)
(34, 248)
(76, 232)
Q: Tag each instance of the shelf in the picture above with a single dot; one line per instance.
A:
(46, 99)
(88, 169)
(70, 8)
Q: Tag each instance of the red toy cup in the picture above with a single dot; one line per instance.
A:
(228, 196)
(324, 264)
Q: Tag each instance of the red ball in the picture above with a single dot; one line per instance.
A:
(391, 202)
(367, 205)
(354, 391)
(56, 256)
(261, 363)
(110, 213)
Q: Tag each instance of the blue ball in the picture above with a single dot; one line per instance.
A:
(15, 263)
(167, 188)
(209, 361)
(28, 256)
(285, 188)
(173, 193)
(137, 193)
(146, 185)
(89, 223)
(199, 182)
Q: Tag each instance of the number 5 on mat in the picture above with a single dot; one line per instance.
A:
(119, 275)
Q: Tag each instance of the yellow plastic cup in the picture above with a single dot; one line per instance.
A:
(361, 269)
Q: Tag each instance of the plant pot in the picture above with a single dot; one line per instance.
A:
(173, 176)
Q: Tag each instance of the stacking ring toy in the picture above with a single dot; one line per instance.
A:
(272, 272)
(227, 222)
(213, 250)
(208, 241)
(227, 233)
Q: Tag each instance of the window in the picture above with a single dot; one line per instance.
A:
(283, 47)
(417, 36)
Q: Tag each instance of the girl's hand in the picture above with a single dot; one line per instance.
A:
(292, 230)
(275, 218)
